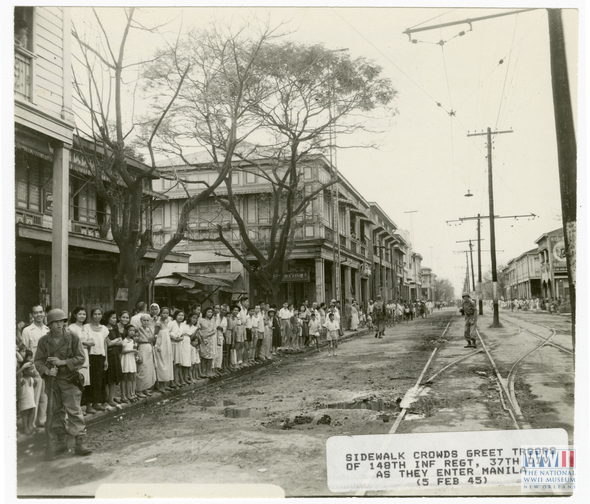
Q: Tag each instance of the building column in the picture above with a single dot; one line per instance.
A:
(60, 227)
(347, 284)
(320, 280)
(357, 286)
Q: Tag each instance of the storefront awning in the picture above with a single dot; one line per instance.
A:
(228, 282)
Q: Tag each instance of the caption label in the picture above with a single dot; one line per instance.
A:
(434, 460)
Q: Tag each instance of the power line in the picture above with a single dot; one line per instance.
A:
(506, 74)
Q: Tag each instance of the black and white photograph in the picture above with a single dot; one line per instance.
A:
(295, 251)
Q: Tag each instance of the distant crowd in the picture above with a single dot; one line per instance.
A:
(532, 304)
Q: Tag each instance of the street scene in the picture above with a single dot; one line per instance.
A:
(244, 242)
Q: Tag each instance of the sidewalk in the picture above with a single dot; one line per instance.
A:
(156, 397)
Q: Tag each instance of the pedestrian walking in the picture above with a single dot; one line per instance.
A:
(469, 310)
(59, 356)
(379, 317)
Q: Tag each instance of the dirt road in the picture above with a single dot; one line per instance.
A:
(271, 425)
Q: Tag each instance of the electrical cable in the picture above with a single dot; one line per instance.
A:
(506, 74)
(388, 59)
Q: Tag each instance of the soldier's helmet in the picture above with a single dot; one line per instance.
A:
(56, 314)
(466, 294)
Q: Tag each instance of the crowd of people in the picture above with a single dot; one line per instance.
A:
(130, 356)
(533, 304)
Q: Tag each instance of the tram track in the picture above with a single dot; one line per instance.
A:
(546, 340)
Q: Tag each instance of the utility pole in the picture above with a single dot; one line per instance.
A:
(478, 218)
(478, 292)
(479, 279)
(496, 321)
(471, 255)
(566, 150)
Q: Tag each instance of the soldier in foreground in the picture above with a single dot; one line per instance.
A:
(58, 359)
(469, 309)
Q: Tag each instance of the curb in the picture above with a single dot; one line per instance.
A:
(103, 416)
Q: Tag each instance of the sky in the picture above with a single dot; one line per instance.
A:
(496, 75)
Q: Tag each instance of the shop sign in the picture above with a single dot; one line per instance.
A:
(300, 274)
(558, 250)
(122, 294)
(365, 269)
(47, 201)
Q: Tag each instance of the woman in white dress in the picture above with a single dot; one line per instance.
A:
(97, 356)
(163, 353)
(354, 317)
(76, 327)
(176, 337)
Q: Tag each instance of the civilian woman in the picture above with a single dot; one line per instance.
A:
(163, 353)
(114, 374)
(207, 335)
(146, 373)
(76, 327)
(98, 361)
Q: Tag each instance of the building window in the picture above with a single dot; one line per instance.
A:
(307, 173)
(212, 267)
(33, 175)
(83, 201)
(263, 209)
(235, 179)
(250, 178)
(251, 209)
(309, 231)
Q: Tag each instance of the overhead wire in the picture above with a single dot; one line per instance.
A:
(388, 59)
(506, 74)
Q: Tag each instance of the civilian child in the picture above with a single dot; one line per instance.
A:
(194, 320)
(26, 393)
(314, 331)
(259, 317)
(333, 328)
(128, 365)
(251, 337)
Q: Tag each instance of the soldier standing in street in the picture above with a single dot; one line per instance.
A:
(58, 359)
(469, 309)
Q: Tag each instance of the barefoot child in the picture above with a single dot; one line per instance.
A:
(333, 327)
(128, 365)
(26, 392)
(314, 331)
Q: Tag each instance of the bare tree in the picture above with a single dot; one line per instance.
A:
(298, 96)
(100, 79)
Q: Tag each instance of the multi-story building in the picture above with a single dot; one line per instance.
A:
(553, 265)
(64, 254)
(523, 276)
(428, 288)
(415, 275)
(366, 235)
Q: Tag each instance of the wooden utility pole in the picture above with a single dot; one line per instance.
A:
(479, 279)
(566, 150)
(496, 320)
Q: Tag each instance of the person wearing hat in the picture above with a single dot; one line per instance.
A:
(469, 310)
(379, 316)
(58, 358)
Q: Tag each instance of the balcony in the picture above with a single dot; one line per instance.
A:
(23, 64)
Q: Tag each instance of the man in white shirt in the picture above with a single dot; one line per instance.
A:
(285, 320)
(31, 336)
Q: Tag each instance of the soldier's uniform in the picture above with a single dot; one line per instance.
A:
(469, 309)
